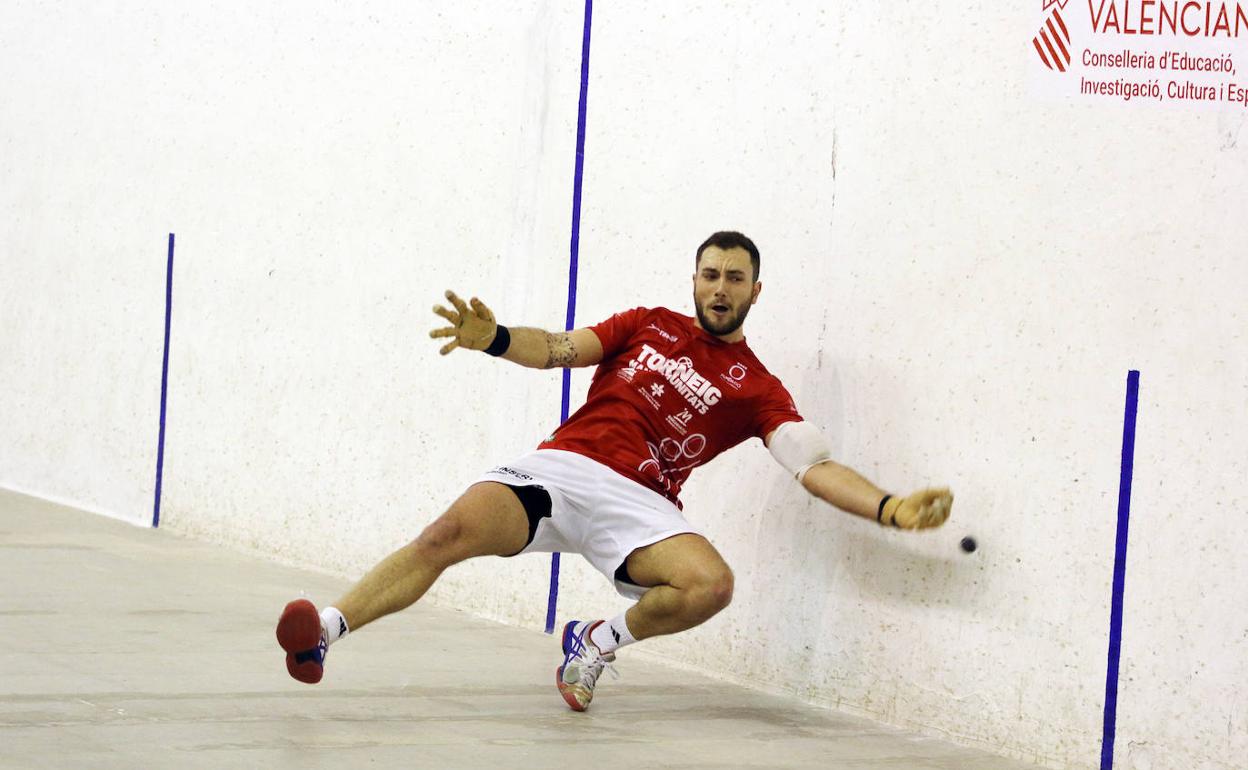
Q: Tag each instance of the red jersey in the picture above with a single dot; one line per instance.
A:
(668, 397)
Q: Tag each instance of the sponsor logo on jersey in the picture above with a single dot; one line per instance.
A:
(680, 421)
(735, 374)
(512, 472)
(684, 379)
(671, 455)
(663, 334)
(654, 402)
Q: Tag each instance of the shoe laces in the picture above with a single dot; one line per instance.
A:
(592, 661)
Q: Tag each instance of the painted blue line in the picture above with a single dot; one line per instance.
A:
(570, 321)
(1120, 571)
(164, 386)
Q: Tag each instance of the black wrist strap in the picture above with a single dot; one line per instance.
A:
(879, 515)
(502, 341)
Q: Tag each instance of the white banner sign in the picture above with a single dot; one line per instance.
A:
(1180, 52)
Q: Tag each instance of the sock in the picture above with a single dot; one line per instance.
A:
(612, 634)
(334, 623)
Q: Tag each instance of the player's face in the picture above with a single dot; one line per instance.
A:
(723, 290)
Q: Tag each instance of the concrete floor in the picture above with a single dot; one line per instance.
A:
(131, 648)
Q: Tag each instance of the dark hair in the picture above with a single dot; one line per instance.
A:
(730, 239)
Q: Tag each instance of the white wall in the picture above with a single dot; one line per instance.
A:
(957, 277)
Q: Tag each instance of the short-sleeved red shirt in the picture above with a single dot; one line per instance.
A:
(668, 397)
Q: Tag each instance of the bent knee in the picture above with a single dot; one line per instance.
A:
(721, 590)
(713, 592)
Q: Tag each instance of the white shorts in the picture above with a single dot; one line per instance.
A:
(594, 511)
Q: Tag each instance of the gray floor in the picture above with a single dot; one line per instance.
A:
(128, 648)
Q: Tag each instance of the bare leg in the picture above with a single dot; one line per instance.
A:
(487, 519)
(691, 582)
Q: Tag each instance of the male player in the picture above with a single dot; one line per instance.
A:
(671, 392)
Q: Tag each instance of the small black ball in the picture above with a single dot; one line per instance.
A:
(969, 544)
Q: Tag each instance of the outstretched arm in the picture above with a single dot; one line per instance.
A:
(801, 449)
(844, 488)
(473, 327)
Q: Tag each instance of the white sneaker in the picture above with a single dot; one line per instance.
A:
(583, 663)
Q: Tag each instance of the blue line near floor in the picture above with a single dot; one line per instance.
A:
(570, 321)
(1120, 571)
(164, 385)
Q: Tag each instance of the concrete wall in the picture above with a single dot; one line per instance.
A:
(957, 277)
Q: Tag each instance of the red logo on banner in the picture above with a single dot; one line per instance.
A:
(1053, 42)
(1050, 3)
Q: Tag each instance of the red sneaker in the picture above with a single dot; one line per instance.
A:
(300, 634)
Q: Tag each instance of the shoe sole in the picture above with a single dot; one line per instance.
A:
(299, 630)
(566, 692)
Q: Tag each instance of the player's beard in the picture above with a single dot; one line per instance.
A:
(725, 327)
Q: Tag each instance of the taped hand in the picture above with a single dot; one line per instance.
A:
(924, 509)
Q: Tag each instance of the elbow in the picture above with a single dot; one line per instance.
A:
(810, 486)
(816, 478)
